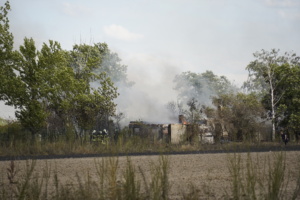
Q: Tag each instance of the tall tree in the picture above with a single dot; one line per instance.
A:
(6, 51)
(289, 104)
(17, 89)
(242, 112)
(262, 77)
(6, 37)
(58, 86)
(111, 65)
(98, 90)
(56, 82)
(22, 89)
(43, 83)
(98, 59)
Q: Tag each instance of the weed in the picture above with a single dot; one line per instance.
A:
(131, 187)
(12, 172)
(260, 179)
(160, 185)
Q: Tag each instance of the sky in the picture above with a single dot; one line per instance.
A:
(158, 39)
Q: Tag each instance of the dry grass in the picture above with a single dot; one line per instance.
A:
(203, 176)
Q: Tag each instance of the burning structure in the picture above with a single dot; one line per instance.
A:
(174, 133)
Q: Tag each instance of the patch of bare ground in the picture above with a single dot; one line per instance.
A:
(207, 175)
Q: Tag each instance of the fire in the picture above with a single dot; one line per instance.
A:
(182, 120)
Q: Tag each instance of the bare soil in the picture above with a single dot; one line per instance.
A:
(209, 173)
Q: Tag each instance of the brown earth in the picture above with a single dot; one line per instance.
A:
(209, 173)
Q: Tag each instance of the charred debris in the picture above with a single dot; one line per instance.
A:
(202, 131)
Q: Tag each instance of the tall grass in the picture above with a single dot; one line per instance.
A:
(61, 146)
(109, 183)
(133, 144)
(14, 141)
(263, 178)
(250, 178)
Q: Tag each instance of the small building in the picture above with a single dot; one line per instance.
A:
(177, 132)
(173, 133)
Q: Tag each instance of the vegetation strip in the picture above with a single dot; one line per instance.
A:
(237, 150)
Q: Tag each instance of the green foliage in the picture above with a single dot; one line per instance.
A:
(289, 104)
(131, 186)
(57, 89)
(53, 88)
(262, 76)
(264, 80)
(6, 43)
(242, 112)
(89, 61)
(11, 134)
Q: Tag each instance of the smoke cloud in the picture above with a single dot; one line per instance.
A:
(147, 99)
(157, 83)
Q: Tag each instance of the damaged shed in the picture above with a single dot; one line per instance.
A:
(173, 133)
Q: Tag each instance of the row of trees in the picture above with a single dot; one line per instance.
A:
(55, 89)
(271, 94)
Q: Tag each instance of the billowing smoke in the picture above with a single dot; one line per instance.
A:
(157, 84)
(7, 112)
(199, 89)
(147, 99)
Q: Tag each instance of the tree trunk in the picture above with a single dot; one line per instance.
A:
(273, 108)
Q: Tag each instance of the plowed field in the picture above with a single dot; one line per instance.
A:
(209, 173)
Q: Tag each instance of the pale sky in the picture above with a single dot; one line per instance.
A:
(158, 39)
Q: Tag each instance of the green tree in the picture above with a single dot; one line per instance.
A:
(22, 87)
(98, 59)
(6, 51)
(242, 112)
(111, 65)
(262, 78)
(58, 86)
(45, 84)
(289, 104)
(17, 89)
(53, 83)
(6, 37)
(72, 92)
(97, 89)
(87, 107)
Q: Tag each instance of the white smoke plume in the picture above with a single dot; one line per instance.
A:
(147, 99)
(156, 85)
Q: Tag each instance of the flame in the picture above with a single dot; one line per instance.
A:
(182, 120)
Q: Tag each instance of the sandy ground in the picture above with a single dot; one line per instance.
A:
(207, 172)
